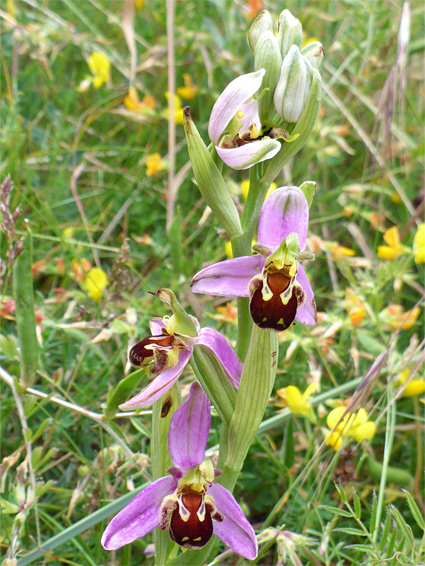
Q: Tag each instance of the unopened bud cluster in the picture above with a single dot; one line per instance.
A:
(289, 69)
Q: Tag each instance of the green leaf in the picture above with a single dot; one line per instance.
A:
(8, 347)
(123, 391)
(351, 531)
(414, 509)
(373, 514)
(385, 532)
(404, 528)
(288, 446)
(336, 511)
(361, 548)
(357, 506)
(369, 343)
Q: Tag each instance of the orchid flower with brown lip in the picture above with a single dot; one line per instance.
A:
(187, 502)
(274, 280)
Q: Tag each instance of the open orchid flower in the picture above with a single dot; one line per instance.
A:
(187, 502)
(274, 280)
(235, 128)
(169, 349)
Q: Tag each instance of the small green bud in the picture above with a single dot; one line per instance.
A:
(262, 23)
(290, 32)
(267, 56)
(314, 54)
(293, 88)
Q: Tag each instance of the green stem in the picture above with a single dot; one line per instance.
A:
(389, 439)
(162, 412)
(241, 246)
(24, 312)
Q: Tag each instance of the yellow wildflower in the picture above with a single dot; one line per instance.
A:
(355, 306)
(296, 401)
(348, 425)
(394, 317)
(100, 68)
(245, 189)
(95, 283)
(188, 91)
(139, 4)
(394, 248)
(356, 315)
(338, 252)
(132, 102)
(413, 387)
(178, 109)
(419, 244)
(154, 164)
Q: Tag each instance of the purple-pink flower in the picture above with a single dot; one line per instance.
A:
(234, 126)
(169, 352)
(274, 280)
(187, 502)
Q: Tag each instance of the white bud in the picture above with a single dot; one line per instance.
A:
(267, 56)
(262, 23)
(293, 87)
(314, 54)
(290, 32)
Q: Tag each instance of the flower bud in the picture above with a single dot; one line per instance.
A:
(267, 56)
(293, 87)
(300, 133)
(290, 32)
(262, 23)
(314, 54)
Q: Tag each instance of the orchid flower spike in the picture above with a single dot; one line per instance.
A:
(274, 280)
(235, 128)
(187, 502)
(169, 349)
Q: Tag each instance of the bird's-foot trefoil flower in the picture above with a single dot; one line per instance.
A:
(235, 128)
(169, 349)
(394, 247)
(297, 402)
(274, 279)
(411, 387)
(188, 503)
(348, 425)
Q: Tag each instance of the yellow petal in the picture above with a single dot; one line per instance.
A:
(419, 244)
(100, 67)
(414, 387)
(245, 188)
(334, 439)
(385, 252)
(356, 315)
(154, 164)
(228, 249)
(392, 237)
(365, 431)
(95, 283)
(309, 391)
(334, 417)
(296, 402)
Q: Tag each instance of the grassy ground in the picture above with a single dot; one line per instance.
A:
(79, 164)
